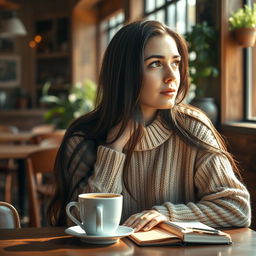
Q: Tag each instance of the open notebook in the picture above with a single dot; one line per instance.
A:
(180, 233)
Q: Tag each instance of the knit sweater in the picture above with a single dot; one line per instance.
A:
(172, 177)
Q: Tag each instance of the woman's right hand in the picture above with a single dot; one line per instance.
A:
(119, 144)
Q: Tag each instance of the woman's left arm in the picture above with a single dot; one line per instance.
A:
(223, 201)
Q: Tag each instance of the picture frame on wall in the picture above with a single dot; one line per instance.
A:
(9, 71)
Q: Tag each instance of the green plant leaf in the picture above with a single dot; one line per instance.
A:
(50, 99)
(243, 18)
(202, 42)
(79, 101)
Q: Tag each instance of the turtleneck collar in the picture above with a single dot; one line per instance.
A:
(155, 134)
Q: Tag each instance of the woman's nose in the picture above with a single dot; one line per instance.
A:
(169, 75)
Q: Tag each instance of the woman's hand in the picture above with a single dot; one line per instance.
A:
(119, 144)
(145, 220)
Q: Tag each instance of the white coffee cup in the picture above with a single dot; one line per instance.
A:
(100, 213)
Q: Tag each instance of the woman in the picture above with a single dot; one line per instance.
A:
(164, 156)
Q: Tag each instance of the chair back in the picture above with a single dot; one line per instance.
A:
(54, 137)
(7, 165)
(42, 128)
(9, 128)
(39, 162)
(9, 217)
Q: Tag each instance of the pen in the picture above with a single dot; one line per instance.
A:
(205, 230)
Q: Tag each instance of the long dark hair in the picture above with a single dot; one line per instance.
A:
(117, 102)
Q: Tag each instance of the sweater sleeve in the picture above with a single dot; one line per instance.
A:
(108, 170)
(222, 200)
(93, 168)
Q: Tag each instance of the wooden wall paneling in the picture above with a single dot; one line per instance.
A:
(232, 87)
(30, 11)
(88, 42)
(253, 96)
(108, 8)
(133, 10)
(26, 13)
(84, 43)
(243, 147)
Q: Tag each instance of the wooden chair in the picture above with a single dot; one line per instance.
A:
(42, 129)
(54, 137)
(9, 128)
(39, 164)
(7, 166)
(9, 217)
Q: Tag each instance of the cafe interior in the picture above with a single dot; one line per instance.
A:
(50, 58)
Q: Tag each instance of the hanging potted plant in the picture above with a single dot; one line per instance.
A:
(203, 59)
(243, 24)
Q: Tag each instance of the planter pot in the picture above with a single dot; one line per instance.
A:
(208, 106)
(246, 37)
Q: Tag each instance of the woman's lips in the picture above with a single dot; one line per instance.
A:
(169, 93)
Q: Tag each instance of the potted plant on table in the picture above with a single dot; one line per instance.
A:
(243, 24)
(203, 66)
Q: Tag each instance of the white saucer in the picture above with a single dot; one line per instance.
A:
(121, 231)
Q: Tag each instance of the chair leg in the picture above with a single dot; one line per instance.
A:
(8, 187)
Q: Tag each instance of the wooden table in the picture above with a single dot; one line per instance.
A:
(53, 242)
(7, 137)
(18, 151)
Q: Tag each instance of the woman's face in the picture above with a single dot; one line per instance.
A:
(161, 76)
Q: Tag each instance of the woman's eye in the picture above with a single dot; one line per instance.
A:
(155, 64)
(176, 64)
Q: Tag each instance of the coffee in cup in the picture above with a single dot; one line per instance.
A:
(100, 213)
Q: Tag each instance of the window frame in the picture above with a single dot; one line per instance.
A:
(164, 7)
(114, 27)
(250, 112)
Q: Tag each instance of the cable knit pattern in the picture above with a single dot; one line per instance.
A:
(175, 179)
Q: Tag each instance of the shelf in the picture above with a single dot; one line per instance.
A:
(54, 87)
(53, 55)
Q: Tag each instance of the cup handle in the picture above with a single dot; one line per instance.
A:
(70, 215)
(99, 219)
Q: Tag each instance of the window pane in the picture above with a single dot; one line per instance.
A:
(111, 34)
(181, 16)
(191, 13)
(104, 25)
(120, 18)
(149, 5)
(119, 27)
(152, 16)
(171, 16)
(112, 21)
(177, 14)
(160, 16)
(159, 3)
(112, 25)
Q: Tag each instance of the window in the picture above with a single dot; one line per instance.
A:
(250, 80)
(177, 14)
(108, 28)
(112, 25)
